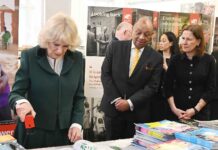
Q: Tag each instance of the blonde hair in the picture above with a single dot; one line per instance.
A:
(59, 27)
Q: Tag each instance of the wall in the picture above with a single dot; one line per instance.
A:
(34, 13)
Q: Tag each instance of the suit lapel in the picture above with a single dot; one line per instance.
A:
(68, 63)
(127, 57)
(43, 63)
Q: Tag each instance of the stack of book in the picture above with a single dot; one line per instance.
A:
(8, 142)
(212, 124)
(148, 134)
(176, 145)
(203, 136)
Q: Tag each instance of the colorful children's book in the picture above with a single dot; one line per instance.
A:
(213, 124)
(202, 136)
(163, 130)
(140, 136)
(176, 145)
(8, 142)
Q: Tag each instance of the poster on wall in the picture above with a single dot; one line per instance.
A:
(175, 22)
(215, 40)
(206, 12)
(8, 60)
(9, 38)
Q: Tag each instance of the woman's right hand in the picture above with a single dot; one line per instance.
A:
(23, 109)
(178, 112)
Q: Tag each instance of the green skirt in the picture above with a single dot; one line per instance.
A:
(38, 138)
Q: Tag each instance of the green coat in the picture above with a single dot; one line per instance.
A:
(53, 97)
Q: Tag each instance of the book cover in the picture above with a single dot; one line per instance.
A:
(203, 136)
(213, 124)
(141, 136)
(8, 142)
(176, 145)
(163, 130)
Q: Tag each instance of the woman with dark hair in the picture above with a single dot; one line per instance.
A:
(168, 46)
(190, 78)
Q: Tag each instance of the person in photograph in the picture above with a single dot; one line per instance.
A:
(103, 41)
(168, 47)
(5, 111)
(190, 78)
(5, 38)
(91, 47)
(123, 31)
(130, 75)
(49, 86)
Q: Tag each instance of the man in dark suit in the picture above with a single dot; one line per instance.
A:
(127, 94)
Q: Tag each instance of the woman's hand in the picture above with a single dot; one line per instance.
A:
(23, 109)
(188, 114)
(178, 112)
(74, 134)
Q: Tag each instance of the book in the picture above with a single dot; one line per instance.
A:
(176, 145)
(163, 130)
(203, 136)
(140, 136)
(213, 124)
(8, 142)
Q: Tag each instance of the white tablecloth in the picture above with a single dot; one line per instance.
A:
(124, 144)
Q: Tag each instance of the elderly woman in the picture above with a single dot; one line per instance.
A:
(49, 86)
(190, 78)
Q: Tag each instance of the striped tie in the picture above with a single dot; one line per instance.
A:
(135, 61)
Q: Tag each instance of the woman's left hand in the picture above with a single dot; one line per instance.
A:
(188, 114)
(74, 134)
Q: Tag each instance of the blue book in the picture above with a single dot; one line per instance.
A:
(176, 145)
(202, 136)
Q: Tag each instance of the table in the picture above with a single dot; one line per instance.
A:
(123, 144)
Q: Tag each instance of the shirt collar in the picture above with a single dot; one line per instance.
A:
(184, 56)
(133, 47)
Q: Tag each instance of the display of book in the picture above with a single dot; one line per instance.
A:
(144, 140)
(213, 124)
(163, 130)
(8, 142)
(203, 136)
(176, 145)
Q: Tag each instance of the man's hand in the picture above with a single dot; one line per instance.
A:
(122, 105)
(74, 134)
(23, 109)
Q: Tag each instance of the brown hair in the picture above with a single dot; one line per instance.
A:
(197, 31)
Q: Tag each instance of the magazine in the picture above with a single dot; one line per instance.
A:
(213, 124)
(163, 130)
(203, 136)
(176, 145)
